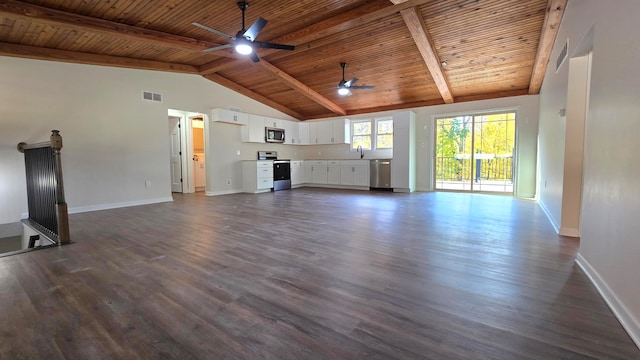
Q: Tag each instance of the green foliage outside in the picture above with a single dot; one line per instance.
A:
(362, 135)
(490, 137)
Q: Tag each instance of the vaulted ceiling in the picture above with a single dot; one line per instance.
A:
(415, 52)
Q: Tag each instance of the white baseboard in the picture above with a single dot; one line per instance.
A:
(424, 189)
(551, 220)
(626, 318)
(225, 192)
(569, 232)
(81, 209)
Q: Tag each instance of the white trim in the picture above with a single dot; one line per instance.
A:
(626, 318)
(224, 192)
(555, 225)
(571, 232)
(82, 209)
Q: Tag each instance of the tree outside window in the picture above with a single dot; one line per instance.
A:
(361, 135)
(384, 135)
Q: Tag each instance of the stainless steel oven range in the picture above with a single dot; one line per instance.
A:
(281, 170)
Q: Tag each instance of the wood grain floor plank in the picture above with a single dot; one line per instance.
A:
(309, 274)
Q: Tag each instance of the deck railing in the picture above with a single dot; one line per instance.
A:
(487, 167)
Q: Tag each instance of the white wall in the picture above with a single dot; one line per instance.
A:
(526, 108)
(609, 245)
(113, 140)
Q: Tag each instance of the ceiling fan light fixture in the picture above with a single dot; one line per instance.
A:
(243, 48)
(343, 91)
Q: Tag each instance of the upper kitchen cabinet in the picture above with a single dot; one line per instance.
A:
(229, 116)
(274, 123)
(291, 132)
(341, 131)
(303, 133)
(329, 132)
(254, 131)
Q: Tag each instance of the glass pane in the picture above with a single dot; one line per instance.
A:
(385, 127)
(453, 153)
(384, 142)
(361, 140)
(494, 142)
(362, 128)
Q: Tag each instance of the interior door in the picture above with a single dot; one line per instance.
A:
(176, 155)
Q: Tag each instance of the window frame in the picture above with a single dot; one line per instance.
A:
(373, 136)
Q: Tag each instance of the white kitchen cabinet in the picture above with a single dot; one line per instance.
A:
(313, 132)
(333, 172)
(274, 123)
(319, 171)
(303, 133)
(254, 131)
(324, 132)
(354, 173)
(229, 116)
(403, 166)
(297, 173)
(257, 176)
(291, 133)
(308, 171)
(341, 131)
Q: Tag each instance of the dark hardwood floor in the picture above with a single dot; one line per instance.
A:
(309, 274)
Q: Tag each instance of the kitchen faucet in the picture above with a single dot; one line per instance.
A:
(360, 150)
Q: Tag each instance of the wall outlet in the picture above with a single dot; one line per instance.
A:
(147, 183)
(228, 181)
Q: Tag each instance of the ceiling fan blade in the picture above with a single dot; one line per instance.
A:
(254, 57)
(350, 82)
(216, 48)
(362, 87)
(255, 29)
(267, 45)
(218, 32)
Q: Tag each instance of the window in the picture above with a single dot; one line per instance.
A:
(372, 134)
(384, 134)
(361, 135)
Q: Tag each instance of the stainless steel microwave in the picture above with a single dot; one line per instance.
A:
(273, 135)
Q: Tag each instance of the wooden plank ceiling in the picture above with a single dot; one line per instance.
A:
(416, 52)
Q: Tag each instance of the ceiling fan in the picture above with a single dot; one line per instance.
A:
(344, 87)
(245, 40)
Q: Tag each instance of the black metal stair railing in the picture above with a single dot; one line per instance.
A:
(45, 190)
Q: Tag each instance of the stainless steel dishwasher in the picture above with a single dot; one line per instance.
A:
(380, 174)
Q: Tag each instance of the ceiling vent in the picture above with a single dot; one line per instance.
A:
(562, 55)
(150, 96)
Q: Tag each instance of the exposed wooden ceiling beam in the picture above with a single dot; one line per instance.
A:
(301, 88)
(552, 19)
(40, 53)
(19, 9)
(418, 29)
(251, 94)
(303, 39)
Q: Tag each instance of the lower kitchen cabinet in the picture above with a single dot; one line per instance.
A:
(319, 171)
(257, 176)
(354, 173)
(333, 172)
(297, 173)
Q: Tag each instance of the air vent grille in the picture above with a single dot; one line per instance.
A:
(562, 56)
(151, 96)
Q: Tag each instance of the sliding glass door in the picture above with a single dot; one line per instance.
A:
(475, 153)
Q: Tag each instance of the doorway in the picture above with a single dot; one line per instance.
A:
(475, 152)
(188, 142)
(175, 161)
